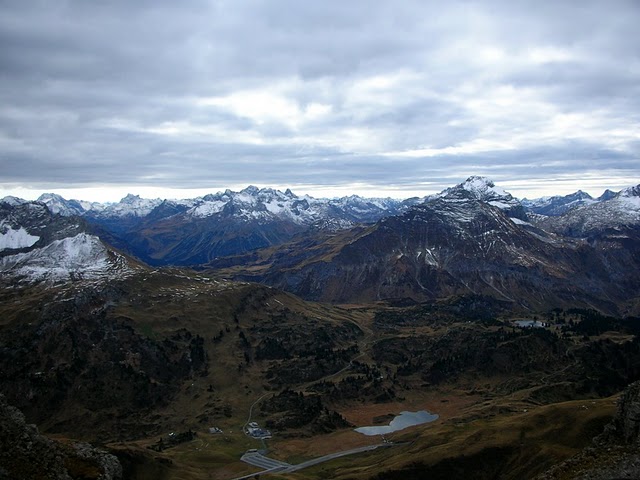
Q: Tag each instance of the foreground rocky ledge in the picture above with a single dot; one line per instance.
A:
(614, 454)
(26, 454)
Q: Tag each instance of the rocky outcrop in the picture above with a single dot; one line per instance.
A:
(26, 454)
(624, 429)
(614, 454)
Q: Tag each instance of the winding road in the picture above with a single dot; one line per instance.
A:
(275, 466)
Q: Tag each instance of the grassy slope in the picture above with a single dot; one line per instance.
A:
(475, 428)
(518, 445)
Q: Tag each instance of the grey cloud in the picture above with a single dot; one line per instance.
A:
(85, 84)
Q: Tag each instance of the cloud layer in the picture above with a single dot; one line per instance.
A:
(386, 96)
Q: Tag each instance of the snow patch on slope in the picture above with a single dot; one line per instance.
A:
(207, 209)
(129, 206)
(629, 198)
(13, 201)
(517, 221)
(82, 256)
(19, 238)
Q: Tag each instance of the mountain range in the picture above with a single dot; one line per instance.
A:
(471, 239)
(122, 324)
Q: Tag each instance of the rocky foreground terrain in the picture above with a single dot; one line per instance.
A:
(26, 454)
(615, 453)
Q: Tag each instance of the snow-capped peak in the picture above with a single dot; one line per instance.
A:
(630, 192)
(558, 204)
(13, 201)
(251, 189)
(50, 198)
(482, 187)
(130, 206)
(607, 195)
(581, 195)
(130, 199)
(627, 202)
(57, 204)
(80, 256)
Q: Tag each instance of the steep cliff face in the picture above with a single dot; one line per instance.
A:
(624, 429)
(25, 454)
(614, 454)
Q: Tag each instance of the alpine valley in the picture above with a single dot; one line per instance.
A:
(245, 334)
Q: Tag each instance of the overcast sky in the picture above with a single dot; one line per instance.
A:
(100, 98)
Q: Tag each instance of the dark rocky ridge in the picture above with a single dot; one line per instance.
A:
(25, 454)
(614, 454)
(458, 246)
(624, 429)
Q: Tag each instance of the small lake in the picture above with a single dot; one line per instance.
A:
(400, 422)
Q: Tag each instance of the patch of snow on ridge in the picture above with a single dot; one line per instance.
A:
(17, 239)
(276, 207)
(207, 209)
(629, 198)
(482, 189)
(132, 206)
(483, 185)
(244, 197)
(502, 205)
(631, 203)
(13, 201)
(80, 256)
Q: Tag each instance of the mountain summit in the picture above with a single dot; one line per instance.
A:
(485, 190)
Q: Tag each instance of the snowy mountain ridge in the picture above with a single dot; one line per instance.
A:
(559, 204)
(57, 204)
(622, 210)
(13, 201)
(71, 258)
(253, 203)
(38, 245)
(226, 224)
(483, 189)
(267, 204)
